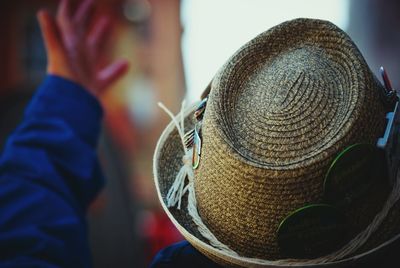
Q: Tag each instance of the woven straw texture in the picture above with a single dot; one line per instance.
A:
(279, 111)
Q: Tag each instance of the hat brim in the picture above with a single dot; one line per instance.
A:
(167, 163)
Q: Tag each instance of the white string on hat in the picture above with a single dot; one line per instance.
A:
(178, 190)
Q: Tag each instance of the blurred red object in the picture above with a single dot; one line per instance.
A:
(158, 232)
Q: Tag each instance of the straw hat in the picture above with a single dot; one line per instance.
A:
(253, 176)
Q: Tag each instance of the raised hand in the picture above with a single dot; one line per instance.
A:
(74, 51)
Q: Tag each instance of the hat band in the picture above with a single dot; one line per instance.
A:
(178, 190)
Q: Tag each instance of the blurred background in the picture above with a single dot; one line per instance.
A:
(174, 48)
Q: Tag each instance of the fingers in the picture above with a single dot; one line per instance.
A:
(111, 73)
(75, 54)
(56, 57)
(63, 11)
(82, 15)
(96, 37)
(51, 36)
(64, 23)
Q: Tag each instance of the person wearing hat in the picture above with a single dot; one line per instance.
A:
(290, 158)
(49, 171)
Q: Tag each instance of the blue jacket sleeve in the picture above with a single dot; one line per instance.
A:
(49, 173)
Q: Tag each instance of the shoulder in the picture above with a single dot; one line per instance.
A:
(181, 254)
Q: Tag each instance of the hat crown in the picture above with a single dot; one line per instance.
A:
(278, 113)
(282, 80)
(285, 108)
